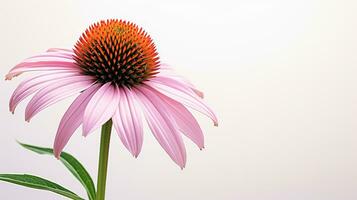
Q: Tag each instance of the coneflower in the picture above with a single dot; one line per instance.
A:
(114, 69)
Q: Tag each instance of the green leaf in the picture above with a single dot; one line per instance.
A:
(38, 183)
(73, 165)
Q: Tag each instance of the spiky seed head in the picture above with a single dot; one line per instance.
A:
(117, 51)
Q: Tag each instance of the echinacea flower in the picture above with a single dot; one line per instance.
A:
(114, 69)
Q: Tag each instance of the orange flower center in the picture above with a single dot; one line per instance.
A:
(117, 51)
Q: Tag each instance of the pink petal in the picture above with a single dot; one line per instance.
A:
(185, 121)
(72, 119)
(177, 91)
(128, 123)
(33, 84)
(42, 64)
(167, 71)
(56, 92)
(182, 81)
(100, 108)
(63, 52)
(48, 57)
(51, 55)
(160, 123)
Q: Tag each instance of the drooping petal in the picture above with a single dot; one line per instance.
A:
(178, 92)
(161, 125)
(128, 122)
(162, 79)
(167, 71)
(34, 84)
(38, 63)
(72, 119)
(100, 108)
(185, 121)
(56, 92)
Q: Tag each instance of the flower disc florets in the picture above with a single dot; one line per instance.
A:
(117, 51)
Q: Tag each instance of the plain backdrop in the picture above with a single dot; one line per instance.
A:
(280, 74)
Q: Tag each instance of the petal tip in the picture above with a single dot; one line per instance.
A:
(12, 109)
(200, 94)
(57, 151)
(84, 134)
(85, 130)
(135, 154)
(27, 118)
(8, 77)
(182, 164)
(57, 155)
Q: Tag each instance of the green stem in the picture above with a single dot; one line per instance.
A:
(103, 159)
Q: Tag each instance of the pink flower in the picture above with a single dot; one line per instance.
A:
(114, 69)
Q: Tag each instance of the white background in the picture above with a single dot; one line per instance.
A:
(281, 76)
